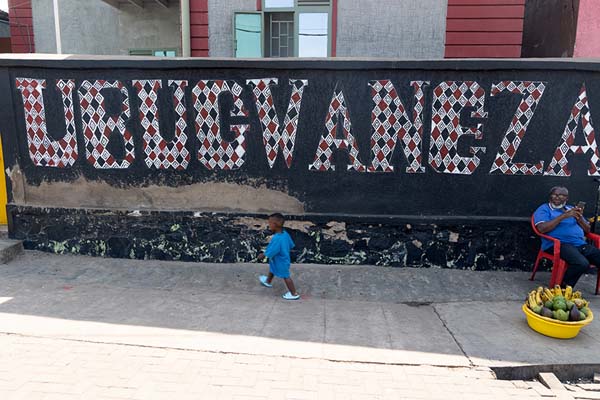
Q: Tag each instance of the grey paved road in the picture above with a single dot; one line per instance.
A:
(93, 328)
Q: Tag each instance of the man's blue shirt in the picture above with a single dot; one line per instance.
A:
(567, 231)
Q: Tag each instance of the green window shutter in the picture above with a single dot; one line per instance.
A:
(248, 35)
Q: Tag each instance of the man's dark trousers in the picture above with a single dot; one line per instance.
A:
(578, 259)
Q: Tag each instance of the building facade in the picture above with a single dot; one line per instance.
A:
(428, 29)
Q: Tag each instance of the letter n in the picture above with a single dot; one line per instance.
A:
(390, 122)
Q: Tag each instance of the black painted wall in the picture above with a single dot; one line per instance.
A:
(439, 214)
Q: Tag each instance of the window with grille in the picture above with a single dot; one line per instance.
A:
(285, 28)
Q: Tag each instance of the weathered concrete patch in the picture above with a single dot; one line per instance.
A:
(206, 196)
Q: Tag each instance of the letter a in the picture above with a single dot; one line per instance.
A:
(329, 142)
(559, 166)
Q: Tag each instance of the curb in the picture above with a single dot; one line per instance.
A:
(9, 250)
(564, 372)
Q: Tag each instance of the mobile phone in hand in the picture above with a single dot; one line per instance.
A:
(581, 205)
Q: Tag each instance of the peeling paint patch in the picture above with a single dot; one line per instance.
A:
(204, 196)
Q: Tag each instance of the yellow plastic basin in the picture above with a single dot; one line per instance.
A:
(554, 328)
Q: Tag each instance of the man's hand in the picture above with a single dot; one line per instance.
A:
(261, 256)
(574, 212)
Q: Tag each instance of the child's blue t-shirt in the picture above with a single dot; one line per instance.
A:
(567, 231)
(278, 253)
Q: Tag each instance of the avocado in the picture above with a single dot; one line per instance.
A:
(549, 304)
(570, 304)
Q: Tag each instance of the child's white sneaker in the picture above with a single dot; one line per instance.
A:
(263, 281)
(290, 296)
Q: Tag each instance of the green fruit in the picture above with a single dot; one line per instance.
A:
(582, 316)
(562, 315)
(570, 304)
(560, 305)
(585, 310)
(558, 298)
(537, 309)
(549, 304)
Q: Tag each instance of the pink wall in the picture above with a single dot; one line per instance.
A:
(588, 29)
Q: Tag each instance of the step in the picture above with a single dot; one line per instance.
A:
(9, 249)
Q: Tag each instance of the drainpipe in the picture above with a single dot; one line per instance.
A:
(57, 28)
(185, 28)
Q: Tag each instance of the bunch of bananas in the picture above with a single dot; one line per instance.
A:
(561, 304)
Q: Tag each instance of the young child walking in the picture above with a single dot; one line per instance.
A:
(278, 253)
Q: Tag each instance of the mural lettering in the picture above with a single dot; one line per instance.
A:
(531, 93)
(449, 99)
(390, 121)
(214, 150)
(98, 131)
(159, 153)
(109, 143)
(43, 151)
(329, 142)
(275, 137)
(559, 165)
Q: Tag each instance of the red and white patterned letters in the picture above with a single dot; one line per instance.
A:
(273, 136)
(390, 121)
(43, 151)
(214, 150)
(449, 98)
(98, 126)
(532, 93)
(329, 142)
(158, 152)
(559, 166)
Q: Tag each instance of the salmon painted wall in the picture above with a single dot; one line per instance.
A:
(588, 29)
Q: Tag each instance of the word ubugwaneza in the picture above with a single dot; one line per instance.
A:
(391, 126)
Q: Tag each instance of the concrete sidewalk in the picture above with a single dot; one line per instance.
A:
(347, 313)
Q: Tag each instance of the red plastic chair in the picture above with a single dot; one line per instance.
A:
(559, 266)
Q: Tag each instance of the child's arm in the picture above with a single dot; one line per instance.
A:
(273, 248)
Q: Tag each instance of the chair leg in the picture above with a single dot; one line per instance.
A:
(558, 271)
(597, 280)
(535, 266)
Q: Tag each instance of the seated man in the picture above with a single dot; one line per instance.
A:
(566, 223)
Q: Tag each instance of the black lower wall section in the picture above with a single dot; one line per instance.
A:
(226, 238)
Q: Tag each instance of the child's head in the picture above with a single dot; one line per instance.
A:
(276, 222)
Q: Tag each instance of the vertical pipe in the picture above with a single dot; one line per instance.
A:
(185, 28)
(334, 18)
(57, 28)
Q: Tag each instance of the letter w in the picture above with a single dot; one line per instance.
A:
(273, 135)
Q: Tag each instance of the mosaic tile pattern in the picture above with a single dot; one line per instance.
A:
(43, 150)
(98, 126)
(531, 93)
(559, 166)
(390, 122)
(158, 152)
(449, 98)
(329, 142)
(273, 136)
(215, 152)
